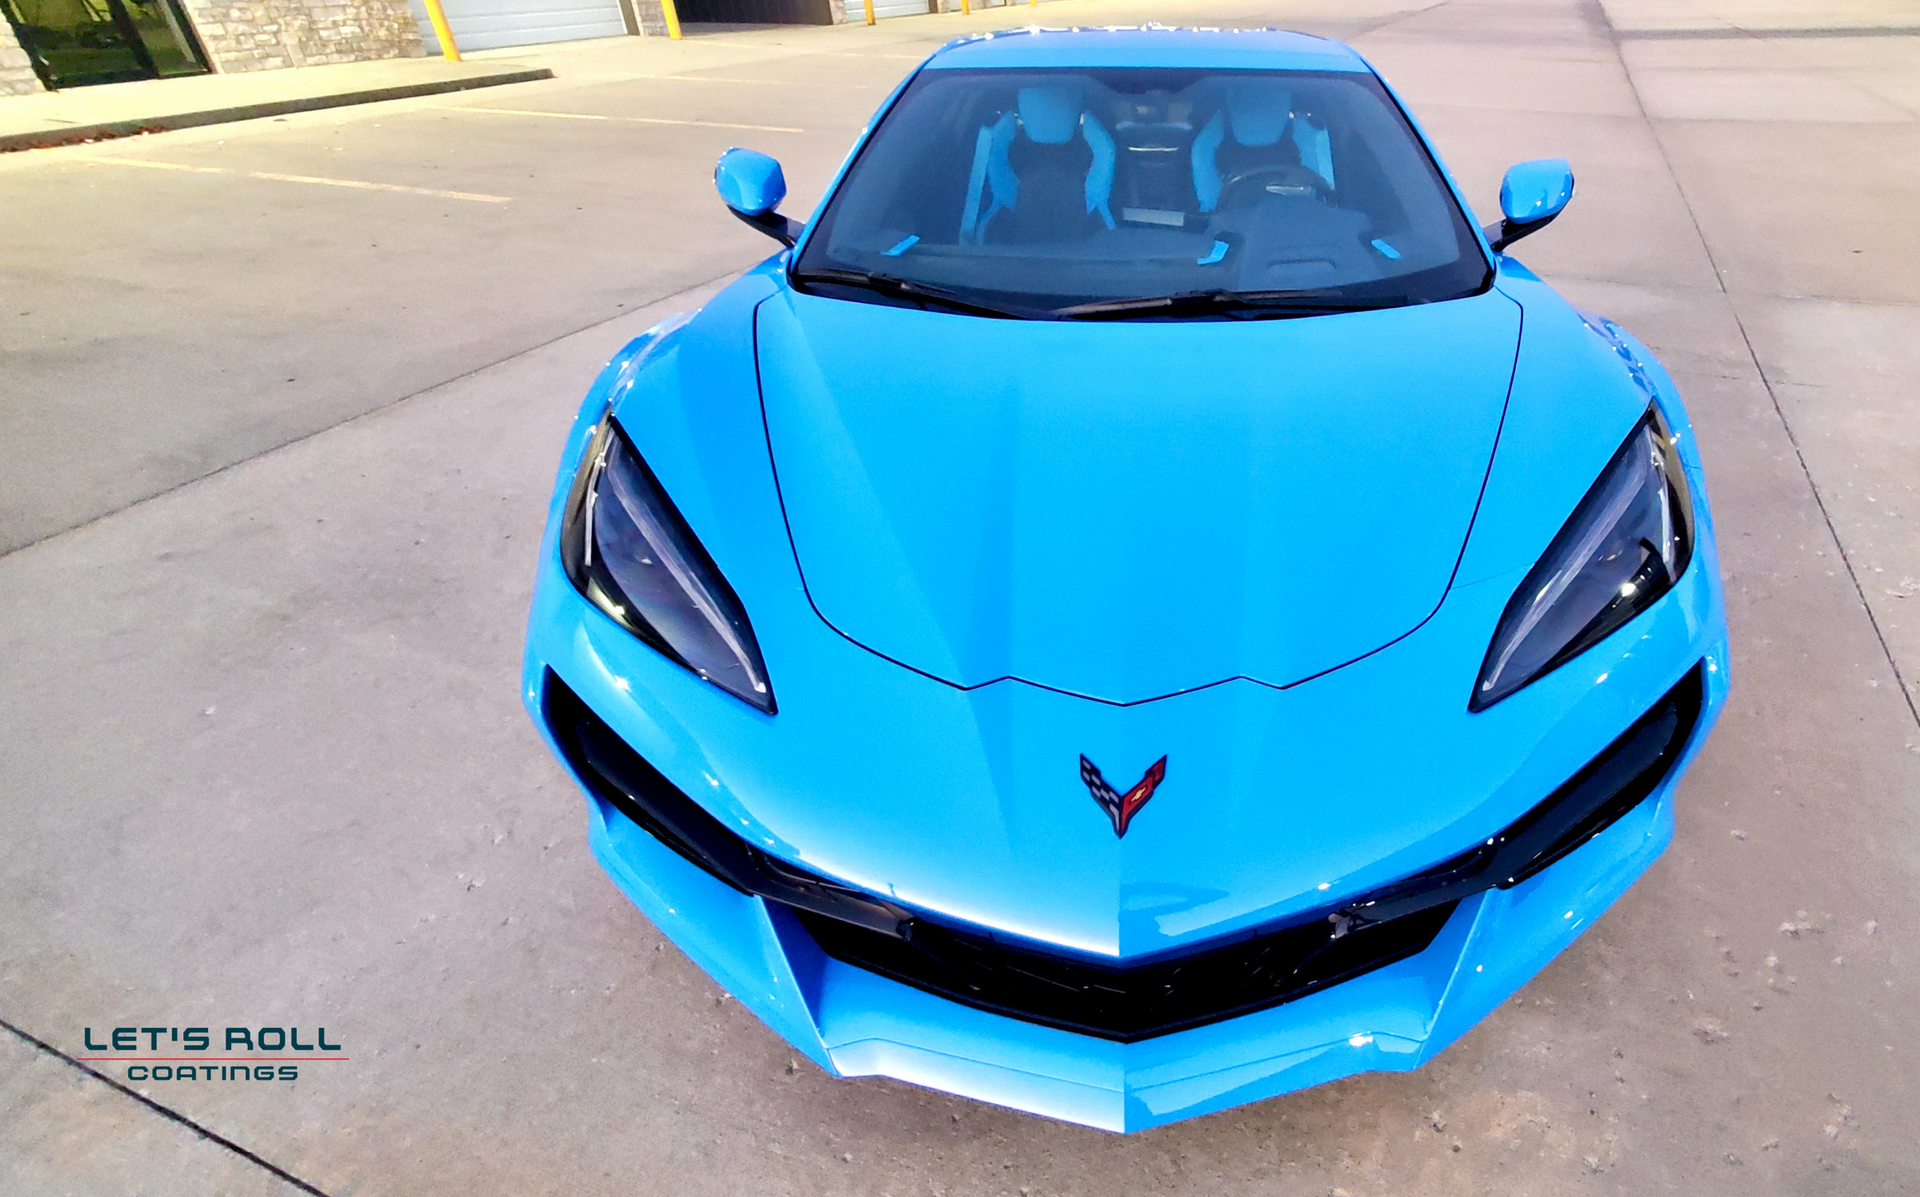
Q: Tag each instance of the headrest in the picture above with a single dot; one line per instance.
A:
(1049, 114)
(1258, 111)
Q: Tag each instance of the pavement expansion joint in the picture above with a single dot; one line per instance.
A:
(211, 1136)
(1736, 32)
(1786, 425)
(1826, 517)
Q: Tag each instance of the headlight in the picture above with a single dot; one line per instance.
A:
(631, 554)
(1623, 547)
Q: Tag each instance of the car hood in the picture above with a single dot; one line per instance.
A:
(1130, 510)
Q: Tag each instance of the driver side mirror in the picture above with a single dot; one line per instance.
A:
(1531, 195)
(751, 185)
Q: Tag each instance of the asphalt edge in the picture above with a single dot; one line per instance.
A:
(80, 134)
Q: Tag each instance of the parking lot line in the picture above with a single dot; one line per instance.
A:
(269, 176)
(643, 120)
(762, 82)
(358, 184)
(198, 170)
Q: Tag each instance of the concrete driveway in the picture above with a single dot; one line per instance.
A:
(279, 409)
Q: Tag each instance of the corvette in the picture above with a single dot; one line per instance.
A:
(1139, 605)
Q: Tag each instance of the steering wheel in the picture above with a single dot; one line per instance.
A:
(1284, 179)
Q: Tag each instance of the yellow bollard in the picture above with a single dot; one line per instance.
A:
(672, 15)
(966, 8)
(441, 30)
(869, 12)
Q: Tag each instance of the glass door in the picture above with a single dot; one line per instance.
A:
(168, 37)
(74, 43)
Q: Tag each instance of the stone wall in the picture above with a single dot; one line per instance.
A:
(16, 69)
(255, 35)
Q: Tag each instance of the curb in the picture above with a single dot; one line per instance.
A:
(74, 135)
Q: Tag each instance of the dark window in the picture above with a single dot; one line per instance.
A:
(73, 43)
(1039, 190)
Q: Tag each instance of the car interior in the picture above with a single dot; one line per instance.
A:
(1111, 183)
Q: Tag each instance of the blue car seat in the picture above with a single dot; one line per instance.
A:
(1256, 131)
(1043, 172)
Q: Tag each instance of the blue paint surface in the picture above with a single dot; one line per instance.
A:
(1536, 191)
(1272, 551)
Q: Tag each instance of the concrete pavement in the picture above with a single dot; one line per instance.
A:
(264, 762)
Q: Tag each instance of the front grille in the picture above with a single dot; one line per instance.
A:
(1218, 980)
(1138, 1001)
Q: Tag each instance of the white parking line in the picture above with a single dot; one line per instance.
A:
(269, 176)
(871, 54)
(730, 79)
(766, 82)
(358, 184)
(643, 120)
(198, 170)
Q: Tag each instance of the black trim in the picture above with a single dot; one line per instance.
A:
(622, 778)
(1501, 235)
(774, 225)
(1217, 980)
(1610, 785)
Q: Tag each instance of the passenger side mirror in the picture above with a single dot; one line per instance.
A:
(751, 185)
(1531, 195)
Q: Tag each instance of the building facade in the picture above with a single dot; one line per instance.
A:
(72, 43)
(57, 44)
(255, 35)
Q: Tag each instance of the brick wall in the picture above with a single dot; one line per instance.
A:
(255, 35)
(16, 69)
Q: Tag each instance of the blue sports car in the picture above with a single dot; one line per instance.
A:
(1139, 606)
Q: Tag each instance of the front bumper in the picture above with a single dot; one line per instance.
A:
(854, 1022)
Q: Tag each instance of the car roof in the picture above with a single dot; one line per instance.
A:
(1147, 46)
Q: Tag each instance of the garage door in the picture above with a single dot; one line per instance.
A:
(490, 24)
(889, 8)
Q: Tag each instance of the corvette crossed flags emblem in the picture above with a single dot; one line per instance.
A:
(1121, 807)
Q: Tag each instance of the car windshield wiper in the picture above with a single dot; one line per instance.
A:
(887, 284)
(1187, 303)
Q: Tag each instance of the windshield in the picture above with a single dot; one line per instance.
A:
(1028, 192)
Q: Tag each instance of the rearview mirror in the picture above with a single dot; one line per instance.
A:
(752, 186)
(1531, 195)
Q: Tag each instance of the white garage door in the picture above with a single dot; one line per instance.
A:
(490, 24)
(887, 8)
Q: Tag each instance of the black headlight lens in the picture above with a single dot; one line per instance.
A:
(632, 555)
(1625, 545)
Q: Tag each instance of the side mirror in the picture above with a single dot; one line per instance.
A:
(1531, 195)
(752, 186)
